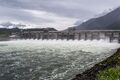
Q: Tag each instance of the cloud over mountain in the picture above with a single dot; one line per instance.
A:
(12, 25)
(59, 14)
(108, 21)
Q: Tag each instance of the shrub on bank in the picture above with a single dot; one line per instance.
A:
(109, 74)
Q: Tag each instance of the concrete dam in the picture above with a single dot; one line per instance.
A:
(111, 35)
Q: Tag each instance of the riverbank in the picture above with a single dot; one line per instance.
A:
(111, 63)
(4, 39)
(4, 36)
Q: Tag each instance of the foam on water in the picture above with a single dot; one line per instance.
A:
(50, 59)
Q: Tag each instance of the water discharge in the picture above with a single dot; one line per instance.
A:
(50, 59)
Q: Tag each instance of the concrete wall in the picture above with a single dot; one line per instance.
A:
(110, 35)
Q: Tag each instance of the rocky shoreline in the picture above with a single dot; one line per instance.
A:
(91, 74)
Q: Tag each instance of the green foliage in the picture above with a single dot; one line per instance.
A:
(109, 74)
(112, 71)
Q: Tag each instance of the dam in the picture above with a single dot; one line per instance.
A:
(111, 35)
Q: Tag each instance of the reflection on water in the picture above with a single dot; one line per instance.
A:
(50, 60)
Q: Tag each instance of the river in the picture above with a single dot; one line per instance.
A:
(50, 59)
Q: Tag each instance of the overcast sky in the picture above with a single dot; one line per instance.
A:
(59, 14)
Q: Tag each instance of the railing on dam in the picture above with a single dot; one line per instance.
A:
(110, 35)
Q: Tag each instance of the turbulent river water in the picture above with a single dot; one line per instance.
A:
(50, 59)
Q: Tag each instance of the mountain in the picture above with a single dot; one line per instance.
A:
(78, 22)
(40, 29)
(11, 25)
(106, 22)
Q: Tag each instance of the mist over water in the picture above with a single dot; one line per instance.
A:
(50, 59)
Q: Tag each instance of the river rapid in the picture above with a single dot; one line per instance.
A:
(50, 59)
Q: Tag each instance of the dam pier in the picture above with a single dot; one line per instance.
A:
(111, 35)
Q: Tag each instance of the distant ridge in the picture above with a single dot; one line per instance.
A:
(110, 21)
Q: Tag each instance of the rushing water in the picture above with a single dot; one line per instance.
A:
(50, 60)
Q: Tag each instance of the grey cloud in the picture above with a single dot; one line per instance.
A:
(78, 9)
(70, 8)
(20, 15)
(65, 8)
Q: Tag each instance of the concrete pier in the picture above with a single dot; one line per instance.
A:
(111, 35)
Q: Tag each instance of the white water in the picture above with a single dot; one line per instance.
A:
(50, 59)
